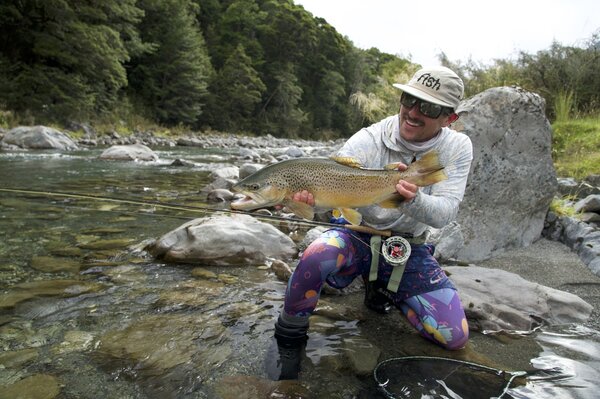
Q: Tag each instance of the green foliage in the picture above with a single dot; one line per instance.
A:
(281, 110)
(172, 79)
(563, 106)
(576, 147)
(64, 59)
(263, 66)
(237, 92)
(561, 207)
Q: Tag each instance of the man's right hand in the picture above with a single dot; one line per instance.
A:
(304, 196)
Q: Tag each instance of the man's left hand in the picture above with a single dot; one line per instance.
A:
(407, 190)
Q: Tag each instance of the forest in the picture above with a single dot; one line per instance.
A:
(243, 66)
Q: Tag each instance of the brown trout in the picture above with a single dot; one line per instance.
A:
(336, 183)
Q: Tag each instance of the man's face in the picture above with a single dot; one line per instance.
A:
(414, 126)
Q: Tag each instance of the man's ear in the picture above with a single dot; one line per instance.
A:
(452, 118)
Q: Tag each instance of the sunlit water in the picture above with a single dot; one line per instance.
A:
(85, 312)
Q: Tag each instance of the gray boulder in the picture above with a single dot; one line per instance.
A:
(129, 152)
(581, 237)
(512, 180)
(224, 240)
(38, 137)
(591, 203)
(497, 300)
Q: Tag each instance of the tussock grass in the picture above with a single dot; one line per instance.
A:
(576, 147)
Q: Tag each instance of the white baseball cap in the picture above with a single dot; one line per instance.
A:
(438, 85)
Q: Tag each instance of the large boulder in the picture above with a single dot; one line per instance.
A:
(512, 180)
(490, 302)
(38, 137)
(224, 240)
(129, 152)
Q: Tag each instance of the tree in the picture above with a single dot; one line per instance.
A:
(239, 90)
(280, 113)
(63, 59)
(172, 80)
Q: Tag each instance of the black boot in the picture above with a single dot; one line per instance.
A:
(283, 362)
(375, 300)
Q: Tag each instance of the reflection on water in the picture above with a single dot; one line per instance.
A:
(85, 314)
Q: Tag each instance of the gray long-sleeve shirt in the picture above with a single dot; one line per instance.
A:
(436, 205)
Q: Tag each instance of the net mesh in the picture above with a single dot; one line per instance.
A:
(433, 377)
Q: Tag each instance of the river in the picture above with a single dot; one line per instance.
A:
(85, 313)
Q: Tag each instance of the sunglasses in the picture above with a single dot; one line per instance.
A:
(428, 109)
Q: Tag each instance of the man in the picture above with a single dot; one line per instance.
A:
(417, 285)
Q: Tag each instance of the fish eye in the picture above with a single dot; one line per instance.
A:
(254, 186)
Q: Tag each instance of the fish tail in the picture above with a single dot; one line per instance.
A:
(429, 178)
(427, 170)
(429, 162)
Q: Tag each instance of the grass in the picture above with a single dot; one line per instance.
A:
(562, 207)
(576, 147)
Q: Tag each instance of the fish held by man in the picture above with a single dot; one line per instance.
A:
(336, 183)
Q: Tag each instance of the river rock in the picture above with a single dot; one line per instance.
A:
(583, 238)
(497, 300)
(219, 195)
(591, 203)
(249, 168)
(37, 386)
(252, 387)
(129, 152)
(512, 180)
(49, 264)
(156, 343)
(227, 173)
(34, 289)
(361, 354)
(223, 240)
(38, 137)
(18, 358)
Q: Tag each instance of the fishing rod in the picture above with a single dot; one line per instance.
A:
(193, 208)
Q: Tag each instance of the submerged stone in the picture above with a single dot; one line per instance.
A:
(106, 244)
(48, 264)
(361, 354)
(34, 289)
(252, 387)
(74, 341)
(37, 386)
(156, 343)
(203, 273)
(18, 358)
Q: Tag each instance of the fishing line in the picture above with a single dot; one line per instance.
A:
(190, 208)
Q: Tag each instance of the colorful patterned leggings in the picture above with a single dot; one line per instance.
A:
(339, 256)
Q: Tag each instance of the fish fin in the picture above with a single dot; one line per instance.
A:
(392, 166)
(301, 209)
(336, 213)
(394, 201)
(429, 162)
(429, 178)
(348, 161)
(427, 170)
(351, 215)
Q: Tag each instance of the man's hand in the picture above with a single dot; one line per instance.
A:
(304, 196)
(407, 190)
(404, 188)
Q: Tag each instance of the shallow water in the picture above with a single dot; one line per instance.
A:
(84, 313)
